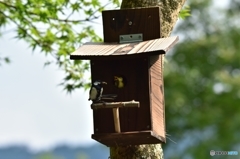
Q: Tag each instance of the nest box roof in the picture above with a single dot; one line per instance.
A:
(92, 50)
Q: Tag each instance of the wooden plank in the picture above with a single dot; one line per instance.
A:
(115, 105)
(116, 120)
(157, 96)
(129, 138)
(131, 21)
(103, 50)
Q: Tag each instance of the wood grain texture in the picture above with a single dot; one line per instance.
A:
(107, 105)
(137, 88)
(131, 21)
(169, 11)
(105, 50)
(144, 84)
(116, 120)
(157, 96)
(127, 138)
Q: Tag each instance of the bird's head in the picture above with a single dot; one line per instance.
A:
(99, 83)
(117, 78)
(119, 81)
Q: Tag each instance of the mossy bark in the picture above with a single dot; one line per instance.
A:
(151, 151)
(169, 10)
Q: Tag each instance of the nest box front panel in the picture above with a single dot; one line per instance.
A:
(136, 87)
(131, 21)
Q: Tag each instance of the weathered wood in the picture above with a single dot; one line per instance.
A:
(157, 96)
(131, 21)
(103, 51)
(115, 105)
(127, 138)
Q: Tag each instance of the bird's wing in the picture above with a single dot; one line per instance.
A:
(93, 94)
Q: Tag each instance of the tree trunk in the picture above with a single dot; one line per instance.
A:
(169, 10)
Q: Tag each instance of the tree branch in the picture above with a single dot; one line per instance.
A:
(89, 19)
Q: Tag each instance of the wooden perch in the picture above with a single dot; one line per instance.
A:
(116, 120)
(115, 104)
(115, 108)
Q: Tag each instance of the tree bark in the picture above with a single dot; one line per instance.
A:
(169, 10)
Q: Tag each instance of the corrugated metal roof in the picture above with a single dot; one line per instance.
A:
(92, 50)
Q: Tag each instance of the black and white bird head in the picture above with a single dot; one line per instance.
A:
(99, 83)
(96, 90)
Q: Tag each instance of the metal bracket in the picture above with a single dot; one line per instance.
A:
(130, 38)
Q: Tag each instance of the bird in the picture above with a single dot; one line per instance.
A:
(119, 81)
(96, 91)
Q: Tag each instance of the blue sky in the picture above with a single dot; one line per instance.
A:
(33, 109)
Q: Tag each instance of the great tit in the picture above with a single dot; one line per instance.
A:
(96, 91)
(119, 81)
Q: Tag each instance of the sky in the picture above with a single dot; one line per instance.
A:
(34, 110)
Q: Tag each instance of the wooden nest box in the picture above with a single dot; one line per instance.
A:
(132, 49)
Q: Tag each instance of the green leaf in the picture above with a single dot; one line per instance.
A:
(95, 3)
(185, 12)
(116, 2)
(7, 60)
